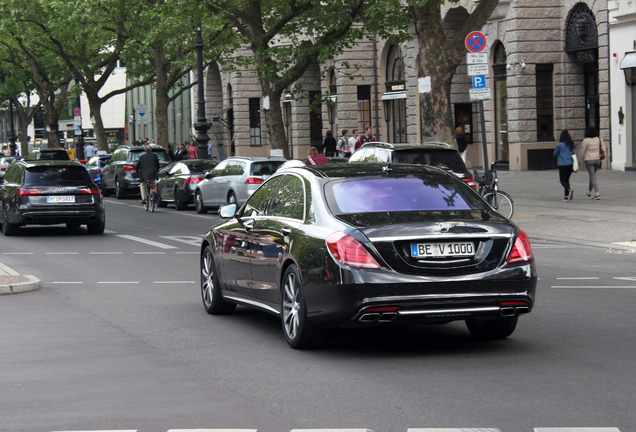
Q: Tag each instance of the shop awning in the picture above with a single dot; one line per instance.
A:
(629, 61)
(394, 95)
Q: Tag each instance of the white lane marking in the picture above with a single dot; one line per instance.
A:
(146, 241)
(174, 282)
(149, 253)
(578, 278)
(625, 278)
(107, 231)
(331, 430)
(214, 430)
(118, 282)
(191, 240)
(452, 430)
(67, 282)
(595, 286)
(187, 253)
(577, 429)
(105, 253)
(113, 430)
(61, 253)
(17, 253)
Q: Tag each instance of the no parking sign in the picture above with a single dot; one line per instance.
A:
(475, 42)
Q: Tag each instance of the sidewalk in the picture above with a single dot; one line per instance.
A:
(539, 211)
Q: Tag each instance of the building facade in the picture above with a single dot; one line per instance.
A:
(548, 70)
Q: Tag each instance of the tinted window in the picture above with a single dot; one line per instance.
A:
(57, 176)
(201, 166)
(257, 203)
(54, 155)
(289, 200)
(443, 159)
(401, 194)
(265, 168)
(234, 168)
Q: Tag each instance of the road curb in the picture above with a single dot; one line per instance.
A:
(11, 282)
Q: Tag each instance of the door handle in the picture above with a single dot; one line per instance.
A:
(248, 224)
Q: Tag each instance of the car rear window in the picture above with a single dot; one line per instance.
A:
(57, 176)
(54, 155)
(161, 154)
(399, 194)
(448, 160)
(201, 165)
(265, 168)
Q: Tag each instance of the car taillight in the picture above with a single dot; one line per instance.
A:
(90, 190)
(254, 180)
(98, 171)
(471, 182)
(194, 180)
(521, 251)
(349, 251)
(128, 168)
(29, 191)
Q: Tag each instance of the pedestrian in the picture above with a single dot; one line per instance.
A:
(462, 144)
(89, 151)
(179, 153)
(315, 158)
(343, 145)
(148, 168)
(366, 137)
(592, 153)
(6, 150)
(210, 150)
(352, 142)
(192, 150)
(329, 145)
(564, 152)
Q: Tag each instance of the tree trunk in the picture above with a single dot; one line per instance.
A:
(276, 125)
(95, 105)
(162, 97)
(436, 116)
(52, 105)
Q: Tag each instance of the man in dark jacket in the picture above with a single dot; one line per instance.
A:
(148, 168)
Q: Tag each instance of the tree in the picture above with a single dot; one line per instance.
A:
(288, 36)
(16, 87)
(436, 116)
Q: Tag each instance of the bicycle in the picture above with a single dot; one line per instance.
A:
(151, 195)
(498, 199)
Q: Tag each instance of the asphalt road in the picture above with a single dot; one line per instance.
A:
(117, 338)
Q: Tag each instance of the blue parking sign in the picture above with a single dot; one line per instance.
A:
(479, 81)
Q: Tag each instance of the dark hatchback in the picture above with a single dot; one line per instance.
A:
(342, 245)
(47, 192)
(178, 181)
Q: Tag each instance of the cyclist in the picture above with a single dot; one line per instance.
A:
(148, 168)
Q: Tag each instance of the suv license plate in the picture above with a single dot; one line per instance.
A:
(60, 199)
(442, 250)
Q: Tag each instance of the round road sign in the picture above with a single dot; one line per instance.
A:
(77, 112)
(476, 42)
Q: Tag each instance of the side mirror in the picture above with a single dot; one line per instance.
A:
(227, 211)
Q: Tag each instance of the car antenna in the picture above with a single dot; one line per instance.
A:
(387, 169)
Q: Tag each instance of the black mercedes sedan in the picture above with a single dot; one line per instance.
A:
(349, 245)
(47, 192)
(178, 181)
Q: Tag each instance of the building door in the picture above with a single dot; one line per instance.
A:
(500, 75)
(592, 105)
(315, 120)
(464, 117)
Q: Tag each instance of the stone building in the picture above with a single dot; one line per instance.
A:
(548, 70)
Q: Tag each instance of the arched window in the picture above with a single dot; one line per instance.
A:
(395, 96)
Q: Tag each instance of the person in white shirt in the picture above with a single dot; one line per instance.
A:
(353, 140)
(89, 151)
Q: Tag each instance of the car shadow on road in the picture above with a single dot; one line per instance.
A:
(51, 231)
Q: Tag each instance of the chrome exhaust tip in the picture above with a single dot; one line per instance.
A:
(369, 318)
(522, 310)
(387, 317)
(507, 312)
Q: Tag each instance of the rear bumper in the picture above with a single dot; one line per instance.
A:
(379, 299)
(53, 217)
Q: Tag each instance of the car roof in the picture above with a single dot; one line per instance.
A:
(257, 158)
(429, 145)
(338, 171)
(35, 163)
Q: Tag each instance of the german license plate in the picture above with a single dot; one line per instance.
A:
(60, 199)
(442, 250)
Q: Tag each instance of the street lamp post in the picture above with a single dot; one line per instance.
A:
(79, 140)
(201, 126)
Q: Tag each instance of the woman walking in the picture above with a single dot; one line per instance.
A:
(591, 153)
(564, 152)
(329, 145)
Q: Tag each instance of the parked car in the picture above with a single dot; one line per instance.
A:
(328, 245)
(233, 181)
(119, 175)
(5, 162)
(48, 154)
(436, 154)
(47, 192)
(178, 181)
(291, 163)
(94, 166)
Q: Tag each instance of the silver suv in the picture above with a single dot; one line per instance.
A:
(233, 180)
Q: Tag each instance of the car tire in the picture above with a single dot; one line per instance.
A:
(96, 227)
(179, 204)
(499, 328)
(8, 228)
(120, 192)
(213, 300)
(299, 332)
(105, 190)
(160, 202)
(198, 203)
(231, 198)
